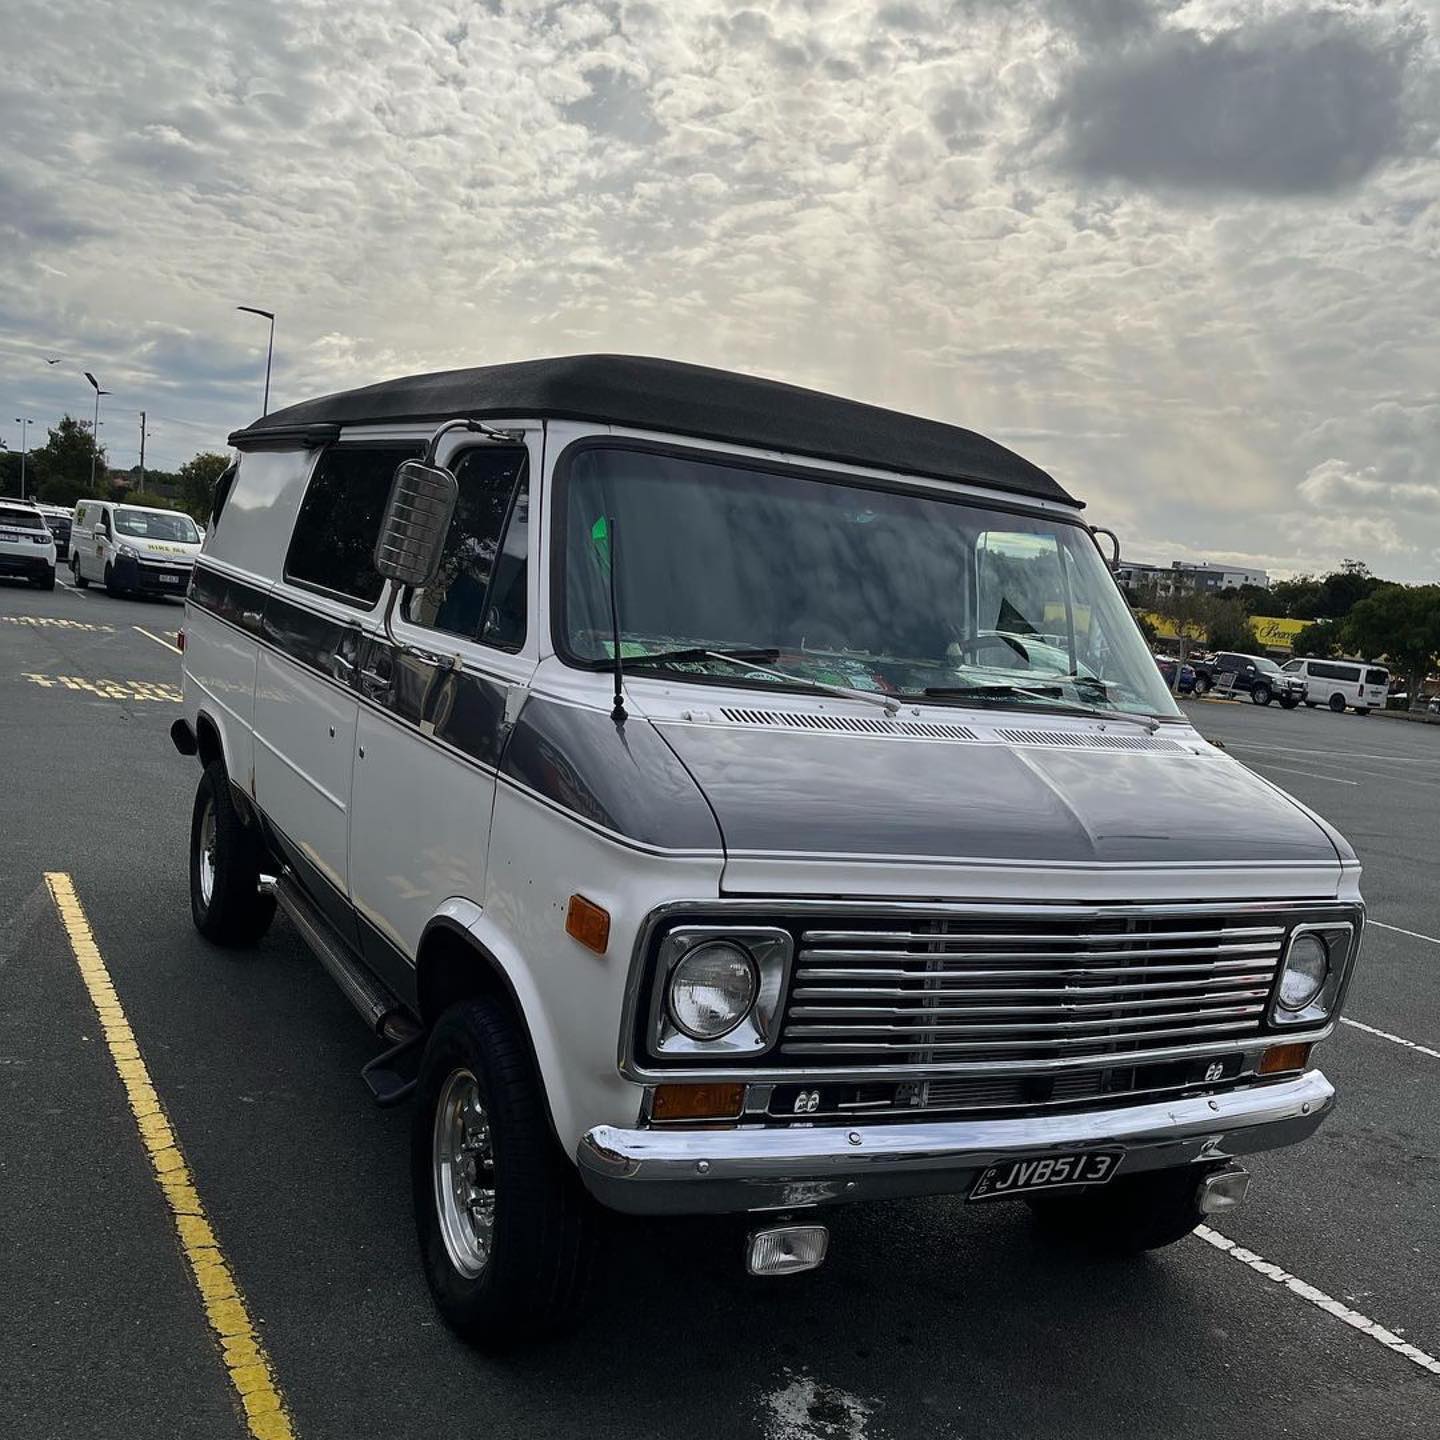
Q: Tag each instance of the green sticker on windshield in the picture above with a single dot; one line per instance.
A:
(600, 539)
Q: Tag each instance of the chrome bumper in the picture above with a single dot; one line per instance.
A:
(680, 1172)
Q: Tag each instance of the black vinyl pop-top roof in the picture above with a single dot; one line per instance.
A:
(641, 393)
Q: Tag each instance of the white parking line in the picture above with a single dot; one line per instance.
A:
(1338, 754)
(1400, 930)
(1386, 1035)
(1290, 770)
(1363, 1323)
(157, 639)
(66, 585)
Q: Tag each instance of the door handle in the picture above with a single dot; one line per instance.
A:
(374, 683)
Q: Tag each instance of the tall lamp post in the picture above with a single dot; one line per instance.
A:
(269, 353)
(94, 454)
(24, 448)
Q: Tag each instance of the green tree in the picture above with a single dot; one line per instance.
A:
(1321, 640)
(1297, 599)
(1402, 624)
(1343, 589)
(1227, 624)
(197, 482)
(63, 464)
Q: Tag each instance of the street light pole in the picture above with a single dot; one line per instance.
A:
(269, 353)
(24, 448)
(95, 434)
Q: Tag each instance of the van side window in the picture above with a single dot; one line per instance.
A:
(474, 559)
(333, 546)
(505, 615)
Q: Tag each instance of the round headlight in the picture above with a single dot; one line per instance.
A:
(712, 990)
(1307, 967)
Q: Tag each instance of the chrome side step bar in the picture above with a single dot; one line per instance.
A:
(357, 982)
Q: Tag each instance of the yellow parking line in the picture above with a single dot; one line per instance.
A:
(246, 1363)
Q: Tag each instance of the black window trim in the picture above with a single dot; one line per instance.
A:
(350, 602)
(522, 476)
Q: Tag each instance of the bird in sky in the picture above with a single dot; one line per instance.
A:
(55, 361)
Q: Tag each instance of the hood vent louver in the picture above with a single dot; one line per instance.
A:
(848, 724)
(1080, 740)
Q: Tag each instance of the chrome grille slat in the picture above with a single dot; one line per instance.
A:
(1036, 986)
(890, 1047)
(1058, 972)
(1069, 1002)
(809, 993)
(940, 1024)
(1163, 952)
(1217, 932)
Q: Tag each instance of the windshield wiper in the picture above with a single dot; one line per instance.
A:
(749, 658)
(739, 655)
(1049, 694)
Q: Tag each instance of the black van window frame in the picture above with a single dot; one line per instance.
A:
(519, 484)
(400, 450)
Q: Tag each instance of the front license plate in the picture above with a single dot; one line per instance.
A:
(169, 579)
(1045, 1172)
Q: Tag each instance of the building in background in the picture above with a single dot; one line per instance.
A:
(1200, 575)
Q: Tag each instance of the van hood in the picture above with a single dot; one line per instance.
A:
(1074, 799)
(162, 550)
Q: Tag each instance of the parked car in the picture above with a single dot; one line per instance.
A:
(57, 519)
(618, 736)
(1357, 684)
(27, 548)
(132, 548)
(1167, 664)
(1255, 675)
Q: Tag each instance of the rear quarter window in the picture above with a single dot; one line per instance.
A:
(18, 519)
(1377, 677)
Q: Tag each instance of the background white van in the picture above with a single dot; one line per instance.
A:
(131, 548)
(1341, 683)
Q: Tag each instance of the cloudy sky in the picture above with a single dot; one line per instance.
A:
(1186, 256)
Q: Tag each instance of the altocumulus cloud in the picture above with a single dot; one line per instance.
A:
(1180, 252)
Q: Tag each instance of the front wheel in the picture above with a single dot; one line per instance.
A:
(225, 859)
(1126, 1217)
(1362, 710)
(1260, 695)
(507, 1232)
(1202, 685)
(111, 588)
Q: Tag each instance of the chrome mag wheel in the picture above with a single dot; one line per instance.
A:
(207, 852)
(464, 1174)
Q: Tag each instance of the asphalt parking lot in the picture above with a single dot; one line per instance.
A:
(930, 1318)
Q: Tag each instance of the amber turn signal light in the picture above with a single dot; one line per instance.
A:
(588, 923)
(697, 1102)
(1283, 1057)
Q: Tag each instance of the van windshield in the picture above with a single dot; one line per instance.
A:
(896, 592)
(155, 525)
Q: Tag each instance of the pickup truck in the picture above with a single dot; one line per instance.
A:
(1256, 675)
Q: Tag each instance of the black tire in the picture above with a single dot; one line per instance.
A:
(1362, 710)
(111, 588)
(81, 583)
(1289, 702)
(545, 1229)
(44, 582)
(1311, 704)
(1337, 704)
(1202, 685)
(234, 913)
(1126, 1217)
(1260, 695)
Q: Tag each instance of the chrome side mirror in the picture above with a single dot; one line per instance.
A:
(416, 521)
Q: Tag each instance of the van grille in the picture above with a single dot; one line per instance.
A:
(1020, 990)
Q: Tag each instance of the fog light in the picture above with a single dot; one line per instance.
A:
(697, 1102)
(785, 1249)
(1222, 1192)
(1279, 1058)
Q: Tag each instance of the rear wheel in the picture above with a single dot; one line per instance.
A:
(1127, 1216)
(1202, 684)
(43, 582)
(1337, 704)
(81, 583)
(1260, 695)
(225, 860)
(111, 588)
(507, 1232)
(1289, 702)
(1362, 710)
